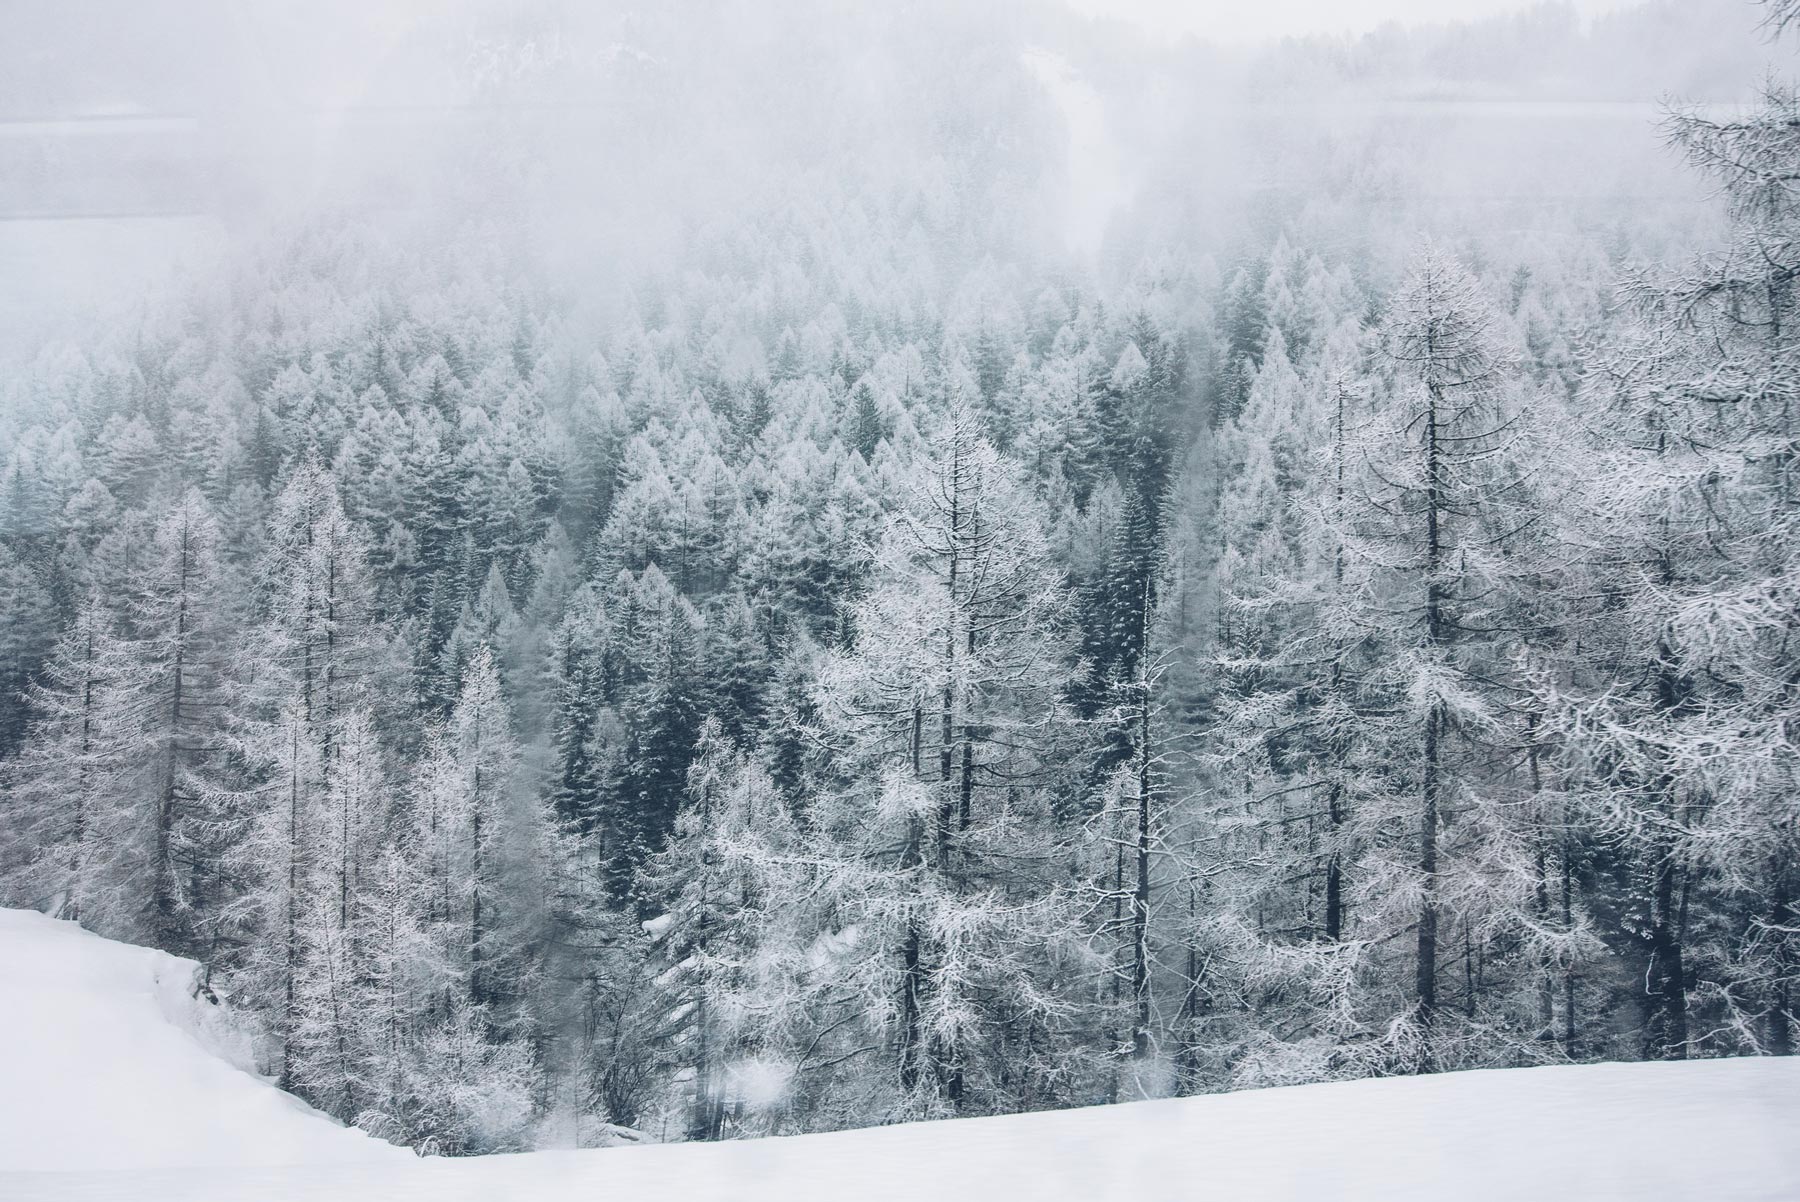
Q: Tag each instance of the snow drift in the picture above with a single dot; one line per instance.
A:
(119, 1084)
(111, 1061)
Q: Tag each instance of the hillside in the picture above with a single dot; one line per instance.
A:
(117, 1087)
(113, 1063)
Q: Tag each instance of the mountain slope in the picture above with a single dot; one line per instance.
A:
(114, 1089)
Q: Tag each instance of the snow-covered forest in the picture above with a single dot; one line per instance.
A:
(793, 568)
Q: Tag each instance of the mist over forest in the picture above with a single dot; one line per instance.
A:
(694, 570)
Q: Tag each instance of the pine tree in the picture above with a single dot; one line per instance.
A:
(25, 641)
(719, 887)
(737, 670)
(867, 429)
(661, 728)
(585, 674)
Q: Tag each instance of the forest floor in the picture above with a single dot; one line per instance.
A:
(117, 1083)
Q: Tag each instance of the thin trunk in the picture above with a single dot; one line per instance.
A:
(293, 889)
(1334, 806)
(163, 898)
(392, 1092)
(1140, 898)
(345, 1073)
(946, 753)
(1425, 980)
(1334, 869)
(475, 981)
(78, 843)
(911, 976)
(950, 1056)
(1568, 972)
(966, 790)
(328, 748)
(1784, 916)
(1541, 870)
(705, 1123)
(291, 952)
(1187, 1056)
(1115, 986)
(1471, 969)
(1666, 1032)
(344, 859)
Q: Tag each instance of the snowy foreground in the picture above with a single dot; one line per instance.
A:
(119, 1084)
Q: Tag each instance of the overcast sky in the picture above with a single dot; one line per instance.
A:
(1250, 20)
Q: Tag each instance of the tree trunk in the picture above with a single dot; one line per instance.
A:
(1334, 871)
(1568, 923)
(949, 1057)
(291, 951)
(1334, 808)
(1425, 979)
(1140, 897)
(1666, 1032)
(163, 888)
(911, 975)
(78, 841)
(476, 991)
(1541, 892)
(708, 1114)
(1784, 917)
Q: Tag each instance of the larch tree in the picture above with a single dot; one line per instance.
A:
(315, 651)
(1294, 740)
(1679, 736)
(1435, 512)
(171, 689)
(69, 816)
(946, 708)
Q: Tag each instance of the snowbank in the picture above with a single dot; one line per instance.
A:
(109, 1061)
(109, 1080)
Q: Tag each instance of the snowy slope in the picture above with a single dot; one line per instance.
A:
(108, 1061)
(109, 1080)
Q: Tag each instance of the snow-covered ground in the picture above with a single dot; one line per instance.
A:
(116, 1083)
(109, 1062)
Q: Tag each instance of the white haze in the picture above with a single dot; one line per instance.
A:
(141, 144)
(1214, 20)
